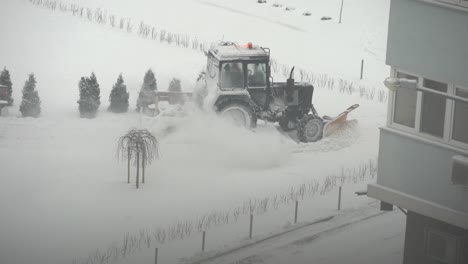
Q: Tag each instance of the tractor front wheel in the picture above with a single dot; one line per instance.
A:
(310, 129)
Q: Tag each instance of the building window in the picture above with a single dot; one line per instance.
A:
(440, 115)
(460, 118)
(433, 109)
(405, 103)
(441, 246)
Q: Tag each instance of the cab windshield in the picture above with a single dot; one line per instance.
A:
(257, 75)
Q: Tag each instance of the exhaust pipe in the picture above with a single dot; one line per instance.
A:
(290, 87)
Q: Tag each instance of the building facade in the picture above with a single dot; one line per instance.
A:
(423, 152)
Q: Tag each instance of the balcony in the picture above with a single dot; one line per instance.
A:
(416, 173)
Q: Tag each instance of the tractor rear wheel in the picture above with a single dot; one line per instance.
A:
(239, 113)
(310, 129)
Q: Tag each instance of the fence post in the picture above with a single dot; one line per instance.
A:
(295, 212)
(251, 226)
(362, 68)
(156, 256)
(341, 9)
(203, 241)
(339, 198)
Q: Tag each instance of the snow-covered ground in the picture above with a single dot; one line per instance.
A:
(63, 193)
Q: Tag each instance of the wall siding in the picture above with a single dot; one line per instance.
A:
(420, 169)
(429, 40)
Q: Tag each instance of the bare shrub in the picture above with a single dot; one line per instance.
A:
(89, 14)
(154, 33)
(170, 37)
(129, 25)
(144, 30)
(112, 20)
(162, 35)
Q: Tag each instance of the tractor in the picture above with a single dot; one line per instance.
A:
(237, 84)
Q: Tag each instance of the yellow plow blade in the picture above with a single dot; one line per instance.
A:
(334, 124)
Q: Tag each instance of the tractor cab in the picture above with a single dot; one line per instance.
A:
(243, 69)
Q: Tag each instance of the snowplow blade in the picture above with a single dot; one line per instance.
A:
(334, 124)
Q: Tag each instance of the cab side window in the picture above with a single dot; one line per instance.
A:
(211, 68)
(232, 75)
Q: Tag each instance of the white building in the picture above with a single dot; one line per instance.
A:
(423, 155)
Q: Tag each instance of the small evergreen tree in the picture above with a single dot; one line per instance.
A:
(31, 103)
(149, 85)
(174, 85)
(5, 80)
(95, 90)
(84, 103)
(90, 98)
(149, 82)
(119, 97)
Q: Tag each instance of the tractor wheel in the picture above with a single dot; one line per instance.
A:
(239, 113)
(310, 129)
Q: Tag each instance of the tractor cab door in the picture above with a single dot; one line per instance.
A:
(257, 81)
(212, 71)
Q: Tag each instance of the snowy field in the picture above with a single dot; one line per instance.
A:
(63, 193)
